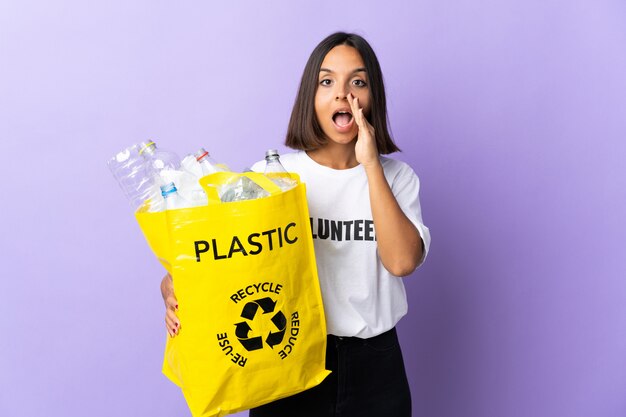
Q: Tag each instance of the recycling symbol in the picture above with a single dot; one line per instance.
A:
(243, 328)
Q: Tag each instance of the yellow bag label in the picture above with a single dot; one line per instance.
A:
(252, 320)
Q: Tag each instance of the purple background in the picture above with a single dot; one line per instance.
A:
(513, 113)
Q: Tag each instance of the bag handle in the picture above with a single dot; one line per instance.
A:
(210, 183)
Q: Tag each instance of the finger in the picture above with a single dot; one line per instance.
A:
(354, 105)
(360, 119)
(172, 323)
(171, 303)
(357, 111)
(351, 98)
(171, 314)
(365, 123)
(172, 329)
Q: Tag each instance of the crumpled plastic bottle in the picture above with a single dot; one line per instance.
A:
(241, 188)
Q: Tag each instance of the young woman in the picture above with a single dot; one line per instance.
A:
(367, 230)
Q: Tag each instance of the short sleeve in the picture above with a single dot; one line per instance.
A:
(405, 187)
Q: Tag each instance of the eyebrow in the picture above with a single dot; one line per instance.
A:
(360, 69)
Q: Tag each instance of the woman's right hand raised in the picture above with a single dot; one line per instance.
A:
(171, 306)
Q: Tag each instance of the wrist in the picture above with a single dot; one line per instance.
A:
(373, 168)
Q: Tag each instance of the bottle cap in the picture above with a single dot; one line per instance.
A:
(168, 189)
(270, 153)
(200, 153)
(146, 146)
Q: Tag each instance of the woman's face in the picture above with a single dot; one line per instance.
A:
(342, 72)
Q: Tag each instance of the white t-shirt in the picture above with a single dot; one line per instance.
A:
(361, 298)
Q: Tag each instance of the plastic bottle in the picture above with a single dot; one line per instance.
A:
(163, 165)
(173, 200)
(241, 189)
(130, 170)
(208, 164)
(275, 171)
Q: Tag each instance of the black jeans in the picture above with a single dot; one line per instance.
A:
(367, 379)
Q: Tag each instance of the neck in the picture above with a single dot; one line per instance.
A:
(335, 156)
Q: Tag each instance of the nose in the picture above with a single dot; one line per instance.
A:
(341, 93)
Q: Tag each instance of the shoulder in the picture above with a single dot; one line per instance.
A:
(404, 182)
(397, 170)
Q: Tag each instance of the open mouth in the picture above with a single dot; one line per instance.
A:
(342, 118)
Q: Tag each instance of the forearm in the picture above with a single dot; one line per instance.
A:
(399, 242)
(167, 287)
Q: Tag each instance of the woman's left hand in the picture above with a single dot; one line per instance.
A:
(366, 151)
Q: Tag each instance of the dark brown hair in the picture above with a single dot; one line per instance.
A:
(304, 131)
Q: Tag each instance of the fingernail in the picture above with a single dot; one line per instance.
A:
(176, 324)
(176, 306)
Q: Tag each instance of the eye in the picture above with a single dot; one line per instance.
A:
(325, 82)
(359, 83)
